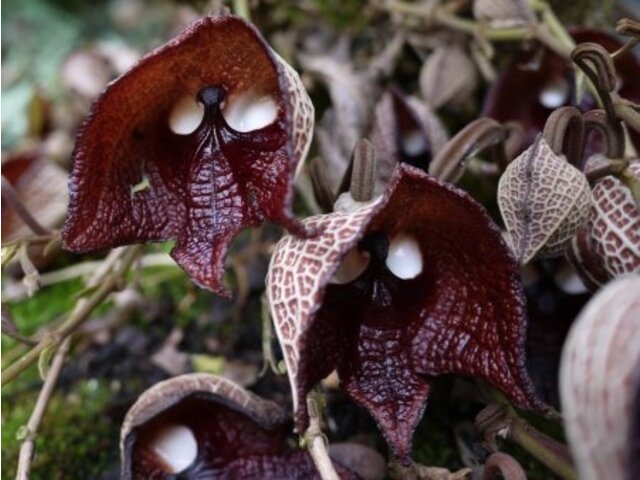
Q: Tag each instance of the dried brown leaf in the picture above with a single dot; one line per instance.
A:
(503, 13)
(448, 76)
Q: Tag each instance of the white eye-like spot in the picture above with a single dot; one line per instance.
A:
(352, 266)
(247, 112)
(413, 143)
(176, 446)
(555, 93)
(185, 116)
(567, 280)
(404, 259)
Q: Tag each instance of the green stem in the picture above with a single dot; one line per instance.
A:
(625, 111)
(554, 25)
(501, 420)
(548, 451)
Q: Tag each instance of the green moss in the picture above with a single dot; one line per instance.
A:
(42, 309)
(75, 440)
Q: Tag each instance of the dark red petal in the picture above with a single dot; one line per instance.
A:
(472, 319)
(135, 180)
(515, 96)
(464, 313)
(380, 375)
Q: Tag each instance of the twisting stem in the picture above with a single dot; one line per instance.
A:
(612, 135)
(481, 134)
(315, 440)
(505, 465)
(27, 447)
(629, 27)
(596, 64)
(550, 452)
(564, 132)
(105, 281)
(502, 420)
(11, 197)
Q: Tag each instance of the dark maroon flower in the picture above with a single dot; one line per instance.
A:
(200, 426)
(530, 89)
(197, 141)
(415, 284)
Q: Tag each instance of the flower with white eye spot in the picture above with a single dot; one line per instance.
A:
(193, 144)
(200, 426)
(360, 299)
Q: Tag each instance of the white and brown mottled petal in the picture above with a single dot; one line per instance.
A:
(543, 201)
(608, 245)
(599, 371)
(300, 269)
